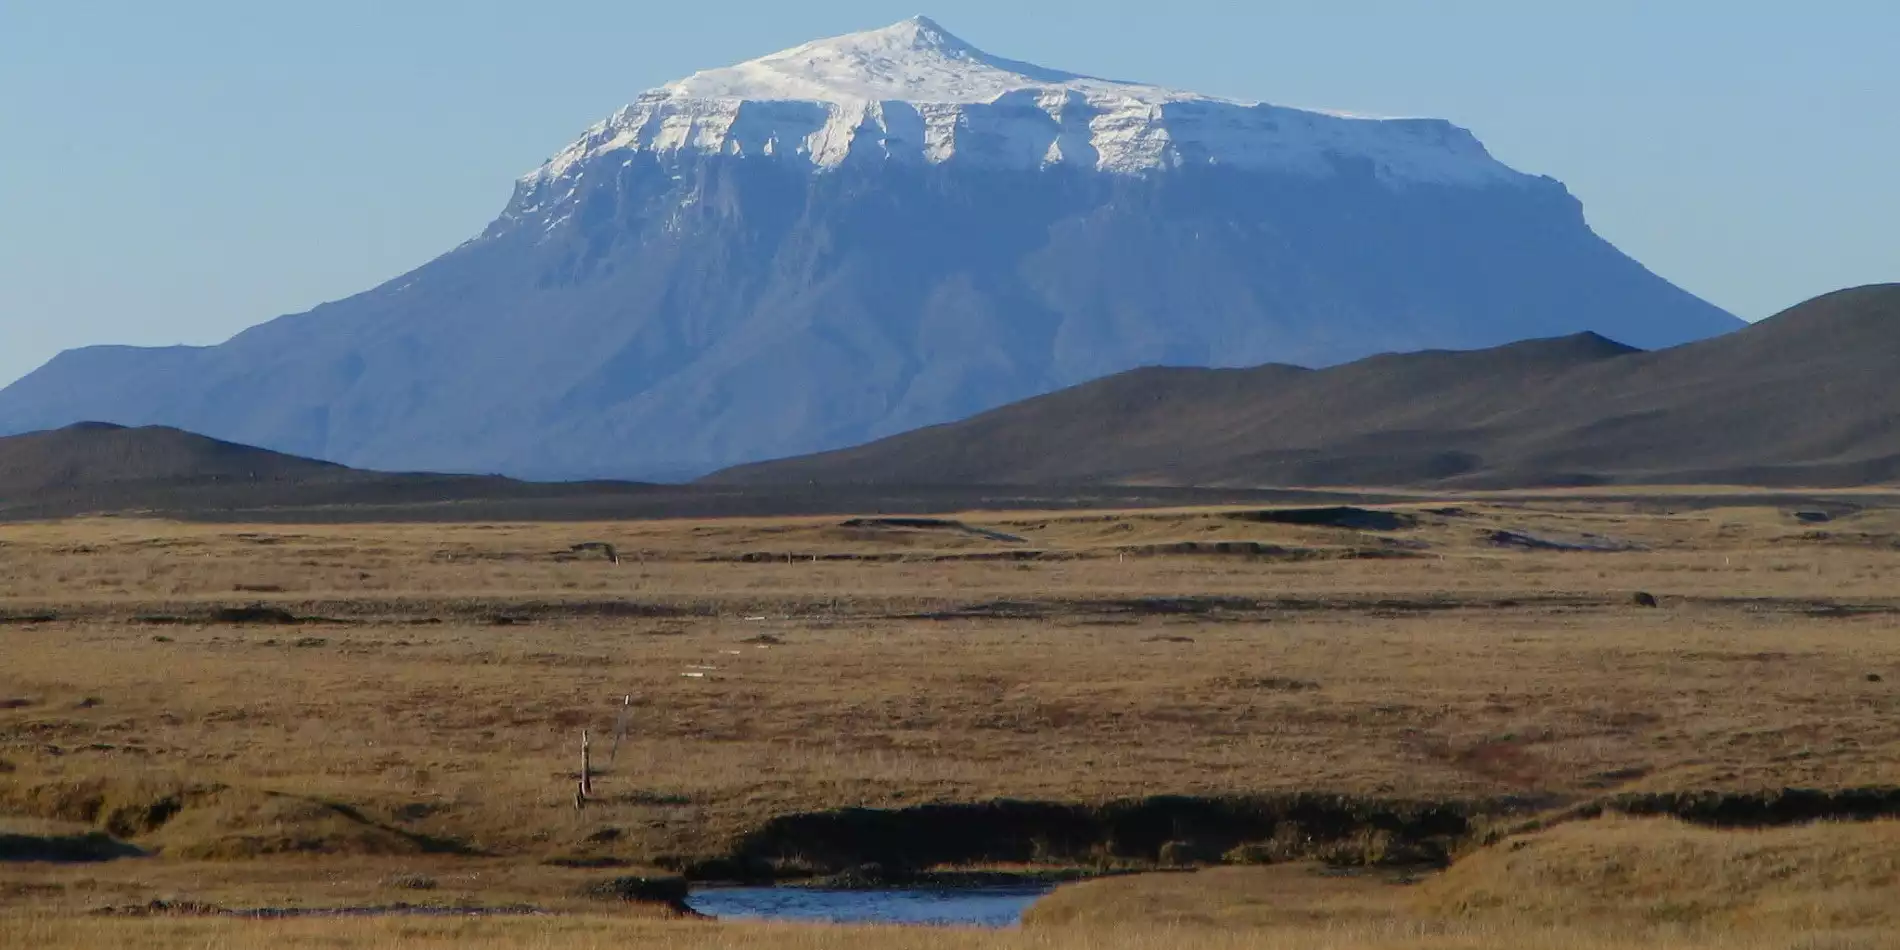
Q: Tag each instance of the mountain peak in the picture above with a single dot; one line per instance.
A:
(914, 60)
(919, 34)
(922, 32)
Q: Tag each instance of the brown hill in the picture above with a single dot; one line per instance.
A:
(93, 454)
(1810, 396)
(93, 468)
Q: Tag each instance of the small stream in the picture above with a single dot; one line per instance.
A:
(922, 906)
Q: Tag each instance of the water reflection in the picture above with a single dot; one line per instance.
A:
(941, 907)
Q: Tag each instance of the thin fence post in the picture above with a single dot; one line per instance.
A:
(620, 729)
(587, 768)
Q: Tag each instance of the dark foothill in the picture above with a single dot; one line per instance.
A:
(255, 613)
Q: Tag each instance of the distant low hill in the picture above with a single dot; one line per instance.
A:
(1810, 396)
(95, 468)
(97, 454)
(98, 467)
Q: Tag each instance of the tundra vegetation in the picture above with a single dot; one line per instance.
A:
(1553, 720)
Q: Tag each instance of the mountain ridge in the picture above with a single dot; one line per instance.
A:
(1803, 397)
(90, 469)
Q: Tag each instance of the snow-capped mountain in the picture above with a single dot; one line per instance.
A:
(914, 94)
(880, 231)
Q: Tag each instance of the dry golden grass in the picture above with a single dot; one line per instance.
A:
(907, 669)
(583, 933)
(1277, 897)
(1607, 877)
(1805, 878)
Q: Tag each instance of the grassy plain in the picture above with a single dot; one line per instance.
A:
(608, 933)
(413, 736)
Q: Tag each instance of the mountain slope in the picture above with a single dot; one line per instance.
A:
(1805, 397)
(882, 231)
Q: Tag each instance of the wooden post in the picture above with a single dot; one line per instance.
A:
(587, 768)
(620, 729)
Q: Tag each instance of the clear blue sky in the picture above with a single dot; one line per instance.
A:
(174, 172)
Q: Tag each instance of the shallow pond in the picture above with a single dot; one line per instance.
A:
(940, 907)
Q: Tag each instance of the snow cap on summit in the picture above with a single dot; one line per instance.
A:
(913, 93)
(913, 60)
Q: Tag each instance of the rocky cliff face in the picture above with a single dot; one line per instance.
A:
(884, 231)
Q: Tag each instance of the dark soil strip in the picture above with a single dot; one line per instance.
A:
(1209, 608)
(1164, 830)
(888, 557)
(862, 847)
(1813, 607)
(1263, 551)
(1765, 809)
(1358, 519)
(940, 524)
(1248, 607)
(66, 849)
(411, 611)
(165, 908)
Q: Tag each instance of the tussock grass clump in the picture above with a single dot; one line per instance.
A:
(126, 807)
